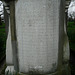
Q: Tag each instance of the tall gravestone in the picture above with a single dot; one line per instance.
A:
(36, 41)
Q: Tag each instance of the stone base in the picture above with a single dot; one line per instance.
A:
(65, 70)
(9, 70)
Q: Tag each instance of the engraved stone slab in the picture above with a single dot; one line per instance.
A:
(37, 28)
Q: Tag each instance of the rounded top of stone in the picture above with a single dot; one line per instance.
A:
(14, 0)
(68, 0)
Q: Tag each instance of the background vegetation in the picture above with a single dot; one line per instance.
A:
(2, 40)
(71, 35)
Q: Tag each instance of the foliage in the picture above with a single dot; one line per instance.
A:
(2, 25)
(71, 24)
(2, 40)
(71, 34)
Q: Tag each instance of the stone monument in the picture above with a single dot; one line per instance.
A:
(37, 42)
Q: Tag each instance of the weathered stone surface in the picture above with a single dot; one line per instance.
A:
(9, 51)
(6, 19)
(37, 27)
(38, 41)
(65, 70)
(9, 70)
(66, 50)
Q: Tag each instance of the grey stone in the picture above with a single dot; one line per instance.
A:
(38, 36)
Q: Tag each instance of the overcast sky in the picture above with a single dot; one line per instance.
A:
(1, 7)
(71, 10)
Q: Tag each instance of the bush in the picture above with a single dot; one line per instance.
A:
(71, 34)
(2, 40)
